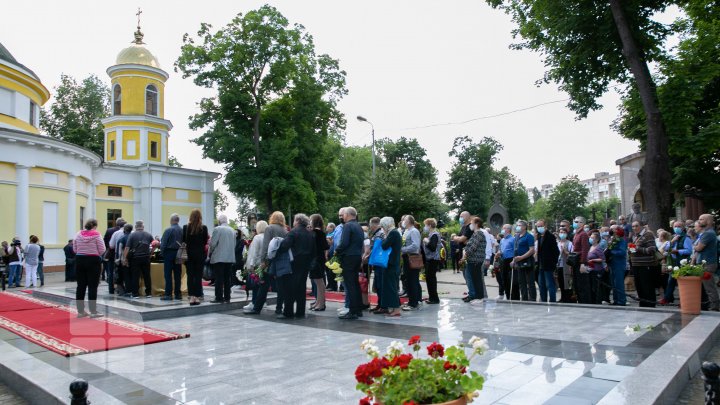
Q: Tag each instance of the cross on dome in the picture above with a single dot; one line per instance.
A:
(138, 34)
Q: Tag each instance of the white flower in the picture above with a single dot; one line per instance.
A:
(629, 330)
(372, 351)
(676, 268)
(395, 348)
(683, 262)
(366, 343)
(704, 262)
(479, 345)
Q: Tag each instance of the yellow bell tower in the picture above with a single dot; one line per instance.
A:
(137, 133)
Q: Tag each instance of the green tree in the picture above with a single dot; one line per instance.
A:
(469, 186)
(355, 165)
(541, 210)
(220, 202)
(274, 120)
(586, 46)
(174, 162)
(511, 193)
(76, 112)
(395, 192)
(409, 152)
(689, 95)
(536, 194)
(567, 200)
(602, 207)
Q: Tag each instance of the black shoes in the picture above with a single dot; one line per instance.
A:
(349, 315)
(216, 301)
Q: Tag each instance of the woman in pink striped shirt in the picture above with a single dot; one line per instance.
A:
(89, 248)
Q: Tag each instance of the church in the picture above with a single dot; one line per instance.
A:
(48, 187)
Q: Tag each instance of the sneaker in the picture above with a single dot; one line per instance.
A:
(476, 301)
(343, 311)
(96, 315)
(166, 298)
(249, 306)
(407, 307)
(500, 298)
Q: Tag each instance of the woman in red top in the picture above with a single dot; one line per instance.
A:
(89, 248)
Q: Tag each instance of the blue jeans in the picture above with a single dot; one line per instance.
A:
(468, 280)
(40, 274)
(172, 271)
(617, 278)
(547, 285)
(15, 275)
(109, 267)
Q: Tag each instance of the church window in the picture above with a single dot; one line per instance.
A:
(151, 100)
(153, 149)
(114, 191)
(112, 148)
(112, 216)
(117, 100)
(33, 112)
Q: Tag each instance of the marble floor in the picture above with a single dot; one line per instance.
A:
(539, 354)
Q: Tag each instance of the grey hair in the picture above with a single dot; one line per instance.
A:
(351, 211)
(302, 219)
(523, 222)
(581, 219)
(387, 223)
(374, 221)
(139, 224)
(175, 218)
(222, 219)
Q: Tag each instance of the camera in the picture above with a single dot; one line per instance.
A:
(16, 242)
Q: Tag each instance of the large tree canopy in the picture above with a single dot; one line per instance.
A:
(274, 122)
(511, 193)
(589, 44)
(567, 200)
(76, 113)
(689, 96)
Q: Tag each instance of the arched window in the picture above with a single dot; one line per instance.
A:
(151, 100)
(117, 100)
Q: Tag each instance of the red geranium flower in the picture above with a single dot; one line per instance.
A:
(401, 361)
(365, 401)
(410, 403)
(365, 373)
(436, 350)
(707, 275)
(449, 366)
(414, 340)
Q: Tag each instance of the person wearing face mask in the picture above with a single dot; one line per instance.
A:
(564, 271)
(475, 256)
(547, 256)
(706, 253)
(411, 247)
(462, 239)
(617, 263)
(524, 250)
(431, 247)
(644, 264)
(581, 277)
(403, 292)
(337, 238)
(596, 266)
(680, 249)
(605, 234)
(508, 273)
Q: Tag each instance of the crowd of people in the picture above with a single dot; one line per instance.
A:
(584, 262)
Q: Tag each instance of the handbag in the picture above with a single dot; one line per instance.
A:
(415, 262)
(573, 259)
(207, 272)
(181, 254)
(378, 256)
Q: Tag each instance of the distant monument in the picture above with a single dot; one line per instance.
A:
(637, 215)
(497, 217)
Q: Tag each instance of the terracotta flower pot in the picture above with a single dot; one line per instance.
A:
(690, 294)
(460, 401)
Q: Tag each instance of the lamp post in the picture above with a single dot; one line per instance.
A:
(363, 119)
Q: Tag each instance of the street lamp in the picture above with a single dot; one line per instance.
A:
(363, 119)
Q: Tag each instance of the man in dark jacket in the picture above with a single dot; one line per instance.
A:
(108, 262)
(547, 254)
(350, 252)
(169, 245)
(69, 261)
(301, 242)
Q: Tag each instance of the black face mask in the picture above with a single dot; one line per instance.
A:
(342, 220)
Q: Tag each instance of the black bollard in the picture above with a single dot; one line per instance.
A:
(78, 391)
(711, 371)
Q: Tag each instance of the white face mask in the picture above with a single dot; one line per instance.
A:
(366, 234)
(472, 227)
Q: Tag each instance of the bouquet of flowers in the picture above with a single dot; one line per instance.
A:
(334, 265)
(393, 378)
(687, 269)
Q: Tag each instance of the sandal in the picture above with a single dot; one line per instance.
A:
(381, 311)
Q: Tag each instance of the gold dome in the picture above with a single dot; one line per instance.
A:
(138, 55)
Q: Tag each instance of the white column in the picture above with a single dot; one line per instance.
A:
(22, 203)
(72, 224)
(91, 200)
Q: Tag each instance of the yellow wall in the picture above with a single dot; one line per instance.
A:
(155, 137)
(24, 85)
(172, 209)
(111, 137)
(7, 172)
(131, 123)
(101, 208)
(133, 93)
(7, 202)
(169, 195)
(37, 197)
(80, 201)
(101, 191)
(18, 123)
(131, 135)
(36, 176)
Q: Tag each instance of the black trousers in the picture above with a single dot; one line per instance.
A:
(70, 269)
(123, 278)
(350, 269)
(581, 283)
(222, 273)
(194, 268)
(140, 267)
(596, 287)
(510, 280)
(645, 282)
(87, 272)
(431, 269)
(294, 286)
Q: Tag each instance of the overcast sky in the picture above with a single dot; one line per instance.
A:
(408, 64)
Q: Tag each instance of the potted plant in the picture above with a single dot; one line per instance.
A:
(689, 278)
(400, 378)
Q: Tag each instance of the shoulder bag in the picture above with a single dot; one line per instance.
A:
(415, 261)
(378, 256)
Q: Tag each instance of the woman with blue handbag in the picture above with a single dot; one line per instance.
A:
(376, 235)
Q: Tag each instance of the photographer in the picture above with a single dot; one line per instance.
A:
(15, 253)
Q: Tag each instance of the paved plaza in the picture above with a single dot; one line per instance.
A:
(539, 354)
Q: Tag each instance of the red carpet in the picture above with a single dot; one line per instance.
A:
(333, 296)
(57, 327)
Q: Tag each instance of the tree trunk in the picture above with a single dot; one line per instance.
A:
(655, 175)
(258, 157)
